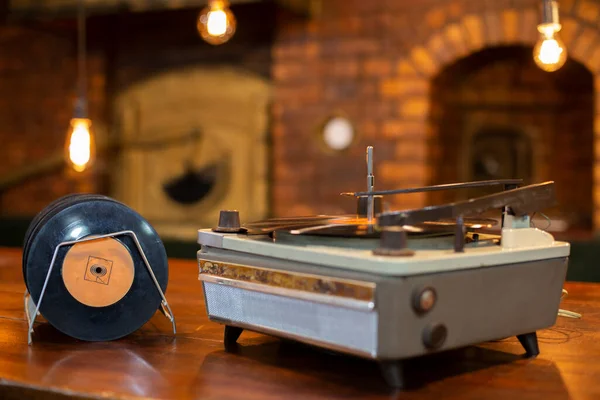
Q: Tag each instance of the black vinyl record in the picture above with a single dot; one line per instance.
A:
(75, 217)
(49, 211)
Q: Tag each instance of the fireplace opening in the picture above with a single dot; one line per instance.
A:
(500, 153)
(495, 114)
(193, 185)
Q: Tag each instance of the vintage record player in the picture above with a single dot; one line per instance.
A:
(390, 285)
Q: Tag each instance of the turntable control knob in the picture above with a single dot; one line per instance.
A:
(229, 221)
(424, 299)
(434, 336)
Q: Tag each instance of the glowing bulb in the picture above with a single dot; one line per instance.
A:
(216, 23)
(80, 146)
(549, 52)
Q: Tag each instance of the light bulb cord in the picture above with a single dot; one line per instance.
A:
(550, 12)
(81, 103)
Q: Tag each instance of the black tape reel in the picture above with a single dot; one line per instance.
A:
(98, 290)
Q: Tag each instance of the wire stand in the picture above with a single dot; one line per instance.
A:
(32, 310)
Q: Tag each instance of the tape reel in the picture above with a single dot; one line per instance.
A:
(99, 290)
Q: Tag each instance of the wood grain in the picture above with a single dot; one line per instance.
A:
(151, 363)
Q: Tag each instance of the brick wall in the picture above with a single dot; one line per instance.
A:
(375, 61)
(37, 87)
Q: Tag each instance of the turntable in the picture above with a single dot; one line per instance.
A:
(390, 285)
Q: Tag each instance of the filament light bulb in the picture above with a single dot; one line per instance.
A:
(216, 23)
(80, 144)
(549, 52)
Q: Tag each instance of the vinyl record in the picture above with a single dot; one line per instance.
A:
(98, 290)
(358, 227)
(270, 225)
(352, 226)
(42, 216)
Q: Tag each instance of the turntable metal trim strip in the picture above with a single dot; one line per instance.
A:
(321, 289)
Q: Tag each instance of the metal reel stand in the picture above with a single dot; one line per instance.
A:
(32, 310)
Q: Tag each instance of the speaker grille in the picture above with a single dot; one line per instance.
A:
(352, 329)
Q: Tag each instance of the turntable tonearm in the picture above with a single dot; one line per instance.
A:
(390, 285)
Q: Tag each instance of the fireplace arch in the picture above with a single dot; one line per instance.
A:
(496, 115)
(467, 35)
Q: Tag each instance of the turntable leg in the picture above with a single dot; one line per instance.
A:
(232, 333)
(393, 373)
(530, 344)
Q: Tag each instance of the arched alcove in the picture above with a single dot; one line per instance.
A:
(497, 115)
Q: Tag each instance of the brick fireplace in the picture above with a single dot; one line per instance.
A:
(185, 156)
(433, 86)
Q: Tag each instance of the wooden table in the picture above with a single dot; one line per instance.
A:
(151, 363)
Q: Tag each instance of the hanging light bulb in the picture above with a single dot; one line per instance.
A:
(216, 23)
(549, 52)
(80, 146)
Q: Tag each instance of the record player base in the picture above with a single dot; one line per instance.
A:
(472, 306)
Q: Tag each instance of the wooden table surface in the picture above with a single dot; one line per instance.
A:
(151, 363)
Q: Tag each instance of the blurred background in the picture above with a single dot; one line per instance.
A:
(181, 108)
